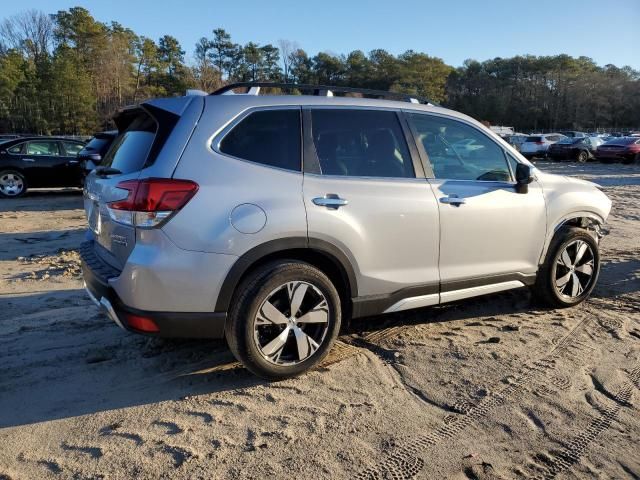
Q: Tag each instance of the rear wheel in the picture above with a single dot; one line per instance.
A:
(284, 319)
(631, 159)
(571, 269)
(582, 157)
(12, 183)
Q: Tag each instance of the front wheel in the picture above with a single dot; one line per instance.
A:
(571, 269)
(12, 183)
(284, 319)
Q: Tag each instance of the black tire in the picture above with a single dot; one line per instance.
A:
(7, 192)
(545, 290)
(242, 322)
(631, 159)
(582, 156)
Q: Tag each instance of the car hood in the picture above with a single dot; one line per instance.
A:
(551, 178)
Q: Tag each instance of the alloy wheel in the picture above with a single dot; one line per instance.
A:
(11, 184)
(291, 323)
(575, 269)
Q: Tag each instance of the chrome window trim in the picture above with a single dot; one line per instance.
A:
(426, 160)
(355, 177)
(213, 142)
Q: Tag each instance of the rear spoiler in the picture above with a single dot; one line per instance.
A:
(160, 109)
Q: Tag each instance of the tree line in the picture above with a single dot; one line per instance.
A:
(67, 73)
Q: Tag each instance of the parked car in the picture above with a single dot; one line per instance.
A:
(625, 149)
(516, 140)
(537, 145)
(8, 136)
(95, 149)
(573, 134)
(271, 220)
(33, 162)
(580, 149)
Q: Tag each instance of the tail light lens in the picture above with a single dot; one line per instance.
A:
(151, 201)
(539, 143)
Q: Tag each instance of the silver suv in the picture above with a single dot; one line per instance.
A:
(270, 219)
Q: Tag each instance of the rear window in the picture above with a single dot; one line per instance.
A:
(131, 148)
(268, 137)
(622, 141)
(533, 139)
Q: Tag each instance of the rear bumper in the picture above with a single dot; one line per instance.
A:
(556, 154)
(613, 156)
(169, 324)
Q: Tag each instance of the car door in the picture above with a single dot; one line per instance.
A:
(489, 234)
(73, 174)
(46, 162)
(365, 193)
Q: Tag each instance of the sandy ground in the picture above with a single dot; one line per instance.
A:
(491, 388)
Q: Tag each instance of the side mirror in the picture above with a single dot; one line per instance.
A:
(523, 178)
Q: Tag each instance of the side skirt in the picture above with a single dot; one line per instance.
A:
(428, 295)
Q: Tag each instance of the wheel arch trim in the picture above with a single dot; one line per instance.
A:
(589, 216)
(280, 246)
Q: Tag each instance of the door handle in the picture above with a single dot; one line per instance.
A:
(28, 160)
(453, 200)
(330, 200)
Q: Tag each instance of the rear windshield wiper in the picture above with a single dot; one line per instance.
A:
(105, 171)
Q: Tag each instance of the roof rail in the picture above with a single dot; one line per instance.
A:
(253, 88)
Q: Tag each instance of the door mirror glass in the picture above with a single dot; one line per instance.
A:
(523, 178)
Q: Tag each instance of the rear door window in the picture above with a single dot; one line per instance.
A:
(267, 137)
(360, 143)
(131, 148)
(43, 147)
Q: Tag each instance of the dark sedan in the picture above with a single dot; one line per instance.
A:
(580, 149)
(39, 162)
(625, 149)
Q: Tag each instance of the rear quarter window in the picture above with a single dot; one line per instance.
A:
(533, 139)
(267, 137)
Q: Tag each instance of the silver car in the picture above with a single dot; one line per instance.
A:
(271, 219)
(537, 145)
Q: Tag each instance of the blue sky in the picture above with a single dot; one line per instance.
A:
(607, 31)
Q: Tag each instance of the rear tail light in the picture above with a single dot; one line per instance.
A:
(539, 143)
(151, 201)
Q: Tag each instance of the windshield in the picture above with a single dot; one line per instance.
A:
(95, 144)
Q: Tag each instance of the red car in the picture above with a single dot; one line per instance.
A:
(626, 149)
